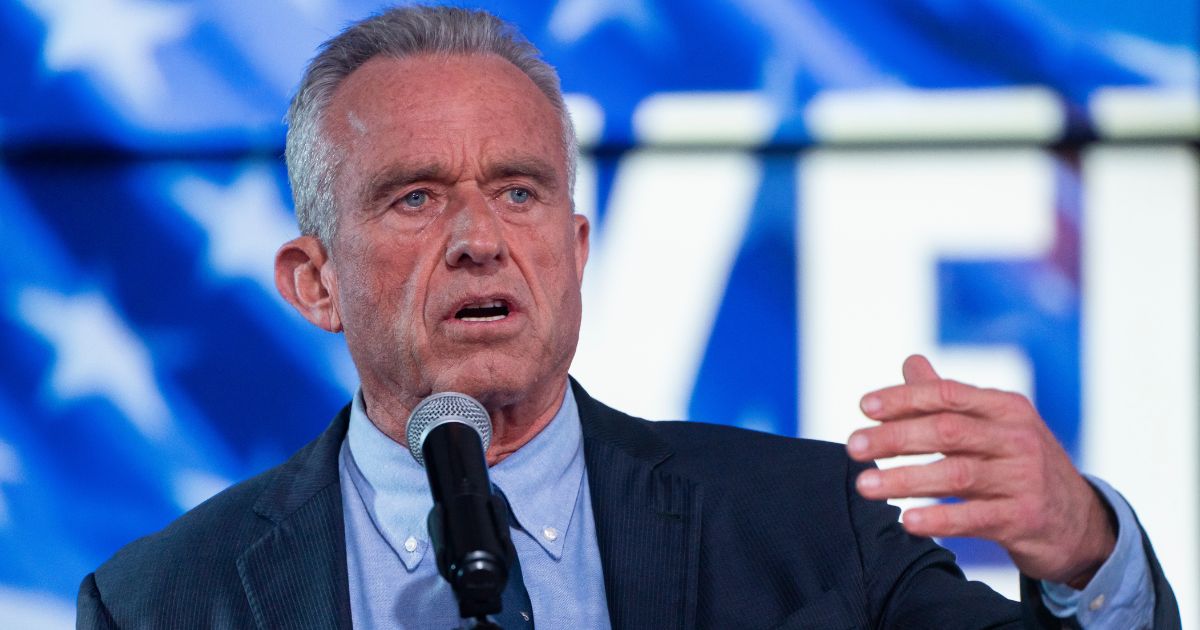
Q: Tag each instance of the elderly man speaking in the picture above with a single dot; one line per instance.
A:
(432, 163)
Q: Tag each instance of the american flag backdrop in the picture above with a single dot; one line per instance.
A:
(788, 197)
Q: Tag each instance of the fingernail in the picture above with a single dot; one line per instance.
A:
(871, 404)
(868, 480)
(913, 518)
(858, 443)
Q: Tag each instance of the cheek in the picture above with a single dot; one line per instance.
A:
(554, 246)
(379, 288)
(555, 260)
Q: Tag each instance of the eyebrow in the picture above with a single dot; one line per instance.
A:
(399, 176)
(532, 167)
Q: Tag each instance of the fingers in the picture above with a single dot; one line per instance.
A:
(918, 369)
(950, 477)
(1017, 484)
(948, 433)
(929, 397)
(976, 519)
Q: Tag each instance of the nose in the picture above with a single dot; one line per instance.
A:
(476, 236)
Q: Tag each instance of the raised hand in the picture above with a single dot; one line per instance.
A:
(1017, 484)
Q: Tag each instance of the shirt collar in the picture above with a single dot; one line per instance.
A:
(541, 480)
(392, 485)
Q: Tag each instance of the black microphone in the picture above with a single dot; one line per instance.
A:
(468, 525)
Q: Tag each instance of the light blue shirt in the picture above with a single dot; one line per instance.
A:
(394, 582)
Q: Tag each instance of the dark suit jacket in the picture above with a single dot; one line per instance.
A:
(698, 525)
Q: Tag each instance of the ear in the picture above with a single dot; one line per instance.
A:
(582, 231)
(304, 277)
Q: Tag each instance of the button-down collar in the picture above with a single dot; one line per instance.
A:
(392, 485)
(543, 478)
(542, 481)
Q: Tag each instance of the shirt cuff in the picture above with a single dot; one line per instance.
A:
(1120, 594)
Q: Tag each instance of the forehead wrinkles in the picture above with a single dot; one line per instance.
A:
(444, 107)
(453, 90)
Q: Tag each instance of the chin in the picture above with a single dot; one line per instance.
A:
(496, 382)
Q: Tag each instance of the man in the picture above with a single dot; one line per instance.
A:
(431, 160)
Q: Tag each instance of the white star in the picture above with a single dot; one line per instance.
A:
(193, 487)
(1174, 66)
(10, 471)
(802, 40)
(312, 9)
(114, 40)
(572, 20)
(246, 222)
(97, 354)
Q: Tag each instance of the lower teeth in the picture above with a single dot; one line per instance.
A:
(483, 319)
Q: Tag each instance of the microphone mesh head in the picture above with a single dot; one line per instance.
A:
(441, 408)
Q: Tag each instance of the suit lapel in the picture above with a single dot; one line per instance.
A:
(647, 520)
(295, 575)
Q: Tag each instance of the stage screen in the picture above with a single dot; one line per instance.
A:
(787, 198)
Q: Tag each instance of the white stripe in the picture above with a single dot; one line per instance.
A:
(1141, 112)
(904, 115)
(739, 119)
(587, 116)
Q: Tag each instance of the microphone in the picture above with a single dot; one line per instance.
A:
(468, 525)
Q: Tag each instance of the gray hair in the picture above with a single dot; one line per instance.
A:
(398, 33)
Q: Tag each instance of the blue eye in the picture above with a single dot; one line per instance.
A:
(416, 198)
(518, 195)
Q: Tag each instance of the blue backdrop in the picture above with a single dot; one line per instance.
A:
(149, 362)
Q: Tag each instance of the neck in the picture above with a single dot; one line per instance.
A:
(514, 422)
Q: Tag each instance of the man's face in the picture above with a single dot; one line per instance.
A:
(457, 259)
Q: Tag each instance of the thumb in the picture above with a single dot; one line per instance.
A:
(917, 369)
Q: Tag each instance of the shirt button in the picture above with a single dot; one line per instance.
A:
(550, 533)
(1096, 603)
(410, 545)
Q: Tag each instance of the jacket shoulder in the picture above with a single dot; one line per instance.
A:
(194, 559)
(707, 450)
(729, 441)
(187, 573)
(721, 452)
(215, 526)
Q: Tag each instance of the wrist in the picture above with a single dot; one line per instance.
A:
(1099, 539)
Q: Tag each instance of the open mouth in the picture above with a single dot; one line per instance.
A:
(489, 311)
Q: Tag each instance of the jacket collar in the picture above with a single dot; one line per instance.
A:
(295, 574)
(647, 519)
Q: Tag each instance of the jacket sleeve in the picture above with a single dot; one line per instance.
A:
(90, 611)
(910, 581)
